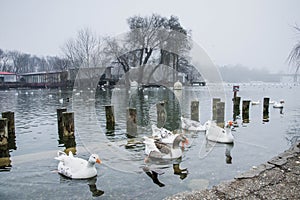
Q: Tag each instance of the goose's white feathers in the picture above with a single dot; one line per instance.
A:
(158, 149)
(191, 125)
(218, 134)
(76, 168)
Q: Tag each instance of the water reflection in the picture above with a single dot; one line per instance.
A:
(266, 116)
(281, 111)
(144, 100)
(153, 174)
(90, 182)
(228, 147)
(181, 172)
(228, 153)
(160, 165)
(36, 119)
(6, 144)
(5, 162)
(93, 187)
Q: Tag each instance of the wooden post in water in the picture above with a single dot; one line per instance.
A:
(235, 89)
(110, 118)
(70, 145)
(220, 110)
(195, 110)
(266, 109)
(236, 107)
(245, 111)
(3, 132)
(68, 124)
(214, 108)
(10, 116)
(60, 126)
(161, 114)
(131, 122)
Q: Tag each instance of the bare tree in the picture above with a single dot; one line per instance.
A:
(20, 62)
(57, 64)
(294, 56)
(153, 39)
(118, 52)
(5, 64)
(149, 34)
(85, 50)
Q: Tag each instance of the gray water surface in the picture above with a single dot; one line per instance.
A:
(121, 176)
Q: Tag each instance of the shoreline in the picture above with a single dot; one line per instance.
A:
(278, 178)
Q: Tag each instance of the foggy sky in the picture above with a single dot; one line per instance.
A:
(254, 33)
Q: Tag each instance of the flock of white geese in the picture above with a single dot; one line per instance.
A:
(163, 144)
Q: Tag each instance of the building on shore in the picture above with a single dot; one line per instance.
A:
(8, 80)
(6, 77)
(43, 79)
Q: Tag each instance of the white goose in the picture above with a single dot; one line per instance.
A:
(77, 168)
(191, 125)
(272, 102)
(218, 134)
(160, 150)
(278, 104)
(165, 136)
(162, 134)
(255, 102)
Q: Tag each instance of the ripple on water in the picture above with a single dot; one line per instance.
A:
(36, 130)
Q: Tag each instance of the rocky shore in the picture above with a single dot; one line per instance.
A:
(279, 178)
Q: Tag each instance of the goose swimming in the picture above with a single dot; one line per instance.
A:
(161, 133)
(158, 149)
(218, 134)
(164, 135)
(278, 105)
(77, 168)
(255, 102)
(191, 125)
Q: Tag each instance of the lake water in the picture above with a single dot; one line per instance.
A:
(122, 175)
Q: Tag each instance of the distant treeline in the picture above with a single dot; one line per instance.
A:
(19, 62)
(240, 73)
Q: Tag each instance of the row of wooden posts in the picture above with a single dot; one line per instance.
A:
(218, 113)
(246, 107)
(132, 113)
(66, 119)
(7, 125)
(66, 126)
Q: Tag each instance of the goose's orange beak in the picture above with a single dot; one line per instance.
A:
(98, 161)
(185, 142)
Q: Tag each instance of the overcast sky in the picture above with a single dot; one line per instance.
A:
(254, 33)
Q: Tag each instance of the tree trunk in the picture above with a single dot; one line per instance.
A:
(141, 74)
(141, 56)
